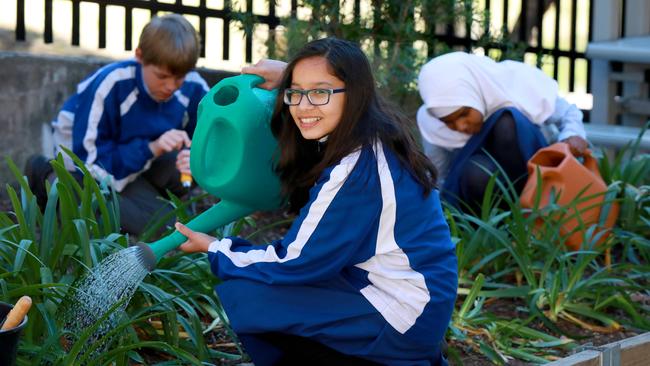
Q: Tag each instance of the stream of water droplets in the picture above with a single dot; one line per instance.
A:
(115, 279)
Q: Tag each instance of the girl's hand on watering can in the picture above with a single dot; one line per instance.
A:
(196, 242)
(577, 144)
(169, 141)
(183, 161)
(270, 70)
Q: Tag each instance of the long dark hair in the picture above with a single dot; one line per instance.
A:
(365, 119)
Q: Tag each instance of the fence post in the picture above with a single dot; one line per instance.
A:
(637, 23)
(608, 16)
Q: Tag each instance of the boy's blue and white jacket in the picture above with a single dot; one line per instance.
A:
(111, 119)
(368, 223)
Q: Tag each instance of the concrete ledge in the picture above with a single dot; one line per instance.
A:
(584, 358)
(616, 136)
(627, 49)
(34, 88)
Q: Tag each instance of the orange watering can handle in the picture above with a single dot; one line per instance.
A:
(590, 162)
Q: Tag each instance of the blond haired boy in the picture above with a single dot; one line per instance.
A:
(130, 121)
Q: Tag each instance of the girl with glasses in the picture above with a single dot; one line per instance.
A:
(367, 272)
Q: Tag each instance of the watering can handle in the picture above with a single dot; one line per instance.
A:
(255, 80)
(218, 215)
(590, 162)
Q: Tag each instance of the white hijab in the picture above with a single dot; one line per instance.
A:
(459, 79)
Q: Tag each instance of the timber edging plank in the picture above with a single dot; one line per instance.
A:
(633, 351)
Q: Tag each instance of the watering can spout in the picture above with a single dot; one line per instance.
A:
(232, 157)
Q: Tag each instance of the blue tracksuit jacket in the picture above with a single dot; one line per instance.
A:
(367, 268)
(111, 119)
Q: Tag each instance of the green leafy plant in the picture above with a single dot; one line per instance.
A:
(397, 36)
(173, 313)
(504, 253)
(628, 175)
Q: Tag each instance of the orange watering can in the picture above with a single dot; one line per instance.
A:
(563, 176)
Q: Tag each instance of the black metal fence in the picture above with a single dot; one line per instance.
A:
(201, 11)
(529, 28)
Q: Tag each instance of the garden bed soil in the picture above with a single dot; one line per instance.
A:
(502, 308)
(471, 358)
(510, 309)
(5, 204)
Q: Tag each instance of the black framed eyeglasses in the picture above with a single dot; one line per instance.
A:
(314, 96)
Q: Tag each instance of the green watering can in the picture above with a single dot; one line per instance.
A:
(232, 157)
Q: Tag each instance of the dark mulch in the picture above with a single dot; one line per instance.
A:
(516, 308)
(5, 203)
(470, 357)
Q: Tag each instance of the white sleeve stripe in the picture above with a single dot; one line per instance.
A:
(397, 291)
(101, 175)
(128, 102)
(84, 84)
(195, 77)
(185, 101)
(307, 227)
(97, 109)
(214, 246)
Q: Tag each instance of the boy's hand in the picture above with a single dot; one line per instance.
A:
(196, 242)
(169, 141)
(183, 161)
(577, 144)
(270, 70)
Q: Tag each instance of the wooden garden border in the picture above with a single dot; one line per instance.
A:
(633, 351)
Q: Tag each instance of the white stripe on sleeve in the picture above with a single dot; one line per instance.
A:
(316, 211)
(128, 102)
(185, 101)
(97, 109)
(195, 77)
(397, 291)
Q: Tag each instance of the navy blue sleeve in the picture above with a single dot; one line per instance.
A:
(343, 209)
(198, 91)
(96, 129)
(192, 110)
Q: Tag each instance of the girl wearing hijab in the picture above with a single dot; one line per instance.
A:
(478, 113)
